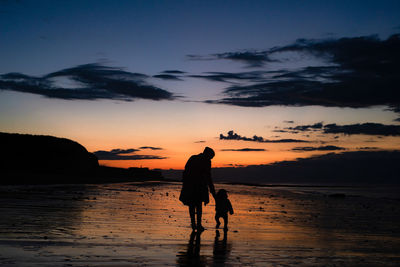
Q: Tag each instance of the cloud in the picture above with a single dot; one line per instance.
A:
(124, 151)
(199, 142)
(356, 72)
(229, 77)
(368, 148)
(167, 77)
(280, 131)
(248, 76)
(235, 165)
(288, 121)
(121, 154)
(313, 127)
(364, 128)
(173, 72)
(395, 109)
(321, 148)
(87, 82)
(234, 136)
(151, 148)
(251, 58)
(368, 128)
(245, 149)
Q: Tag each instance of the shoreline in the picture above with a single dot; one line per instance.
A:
(390, 192)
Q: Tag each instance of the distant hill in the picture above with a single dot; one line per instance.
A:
(37, 159)
(360, 167)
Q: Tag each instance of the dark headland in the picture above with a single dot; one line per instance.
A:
(39, 159)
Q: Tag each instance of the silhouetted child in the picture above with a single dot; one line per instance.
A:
(222, 207)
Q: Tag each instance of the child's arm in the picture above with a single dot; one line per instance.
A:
(230, 207)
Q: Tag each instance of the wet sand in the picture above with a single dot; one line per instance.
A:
(144, 224)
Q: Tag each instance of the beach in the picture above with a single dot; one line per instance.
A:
(144, 224)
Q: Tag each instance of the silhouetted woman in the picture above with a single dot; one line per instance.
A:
(196, 181)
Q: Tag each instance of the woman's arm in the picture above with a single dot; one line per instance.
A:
(209, 179)
(212, 188)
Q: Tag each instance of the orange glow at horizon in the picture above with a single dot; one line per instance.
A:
(177, 151)
(178, 127)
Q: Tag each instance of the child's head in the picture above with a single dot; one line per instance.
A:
(222, 194)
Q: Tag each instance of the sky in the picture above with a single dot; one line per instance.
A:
(149, 83)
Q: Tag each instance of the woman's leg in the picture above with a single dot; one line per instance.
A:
(199, 211)
(191, 213)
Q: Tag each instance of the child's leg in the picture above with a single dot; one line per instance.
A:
(217, 220)
(225, 222)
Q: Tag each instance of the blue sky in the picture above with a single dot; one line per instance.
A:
(151, 36)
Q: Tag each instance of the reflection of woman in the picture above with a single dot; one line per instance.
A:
(196, 181)
(191, 255)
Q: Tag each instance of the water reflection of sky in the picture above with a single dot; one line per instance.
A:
(147, 224)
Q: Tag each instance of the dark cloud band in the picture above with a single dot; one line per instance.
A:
(151, 148)
(173, 72)
(321, 148)
(350, 129)
(122, 154)
(234, 136)
(364, 128)
(168, 77)
(251, 58)
(357, 72)
(88, 82)
(244, 149)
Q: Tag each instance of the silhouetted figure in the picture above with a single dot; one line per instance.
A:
(221, 249)
(222, 207)
(196, 181)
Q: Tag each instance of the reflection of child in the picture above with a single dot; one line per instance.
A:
(222, 206)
